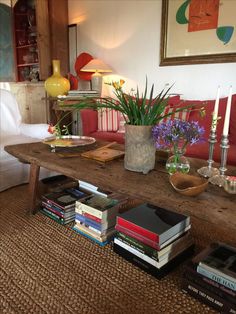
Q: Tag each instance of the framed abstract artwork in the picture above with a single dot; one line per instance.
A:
(198, 31)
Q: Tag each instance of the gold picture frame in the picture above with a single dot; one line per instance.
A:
(215, 44)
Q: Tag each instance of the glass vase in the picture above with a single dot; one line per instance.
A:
(177, 162)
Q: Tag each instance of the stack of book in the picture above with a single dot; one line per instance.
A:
(211, 277)
(96, 217)
(82, 93)
(93, 189)
(60, 205)
(153, 238)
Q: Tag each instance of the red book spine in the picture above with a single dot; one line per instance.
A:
(138, 237)
(138, 229)
(92, 217)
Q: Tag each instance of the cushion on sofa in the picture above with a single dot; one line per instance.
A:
(109, 136)
(206, 121)
(108, 120)
(176, 103)
(89, 119)
(201, 150)
(232, 124)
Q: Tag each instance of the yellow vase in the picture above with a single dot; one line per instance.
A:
(56, 84)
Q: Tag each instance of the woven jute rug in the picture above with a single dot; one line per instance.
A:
(48, 268)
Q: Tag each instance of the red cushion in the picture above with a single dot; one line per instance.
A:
(109, 136)
(207, 119)
(80, 62)
(232, 125)
(174, 100)
(201, 151)
(175, 103)
(89, 119)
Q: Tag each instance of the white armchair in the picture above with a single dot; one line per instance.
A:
(13, 131)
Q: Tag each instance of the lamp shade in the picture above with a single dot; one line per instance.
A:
(96, 65)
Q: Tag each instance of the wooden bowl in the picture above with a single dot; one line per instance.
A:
(187, 184)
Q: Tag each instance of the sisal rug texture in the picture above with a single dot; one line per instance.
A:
(49, 268)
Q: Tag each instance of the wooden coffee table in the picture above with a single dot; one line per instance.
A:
(214, 204)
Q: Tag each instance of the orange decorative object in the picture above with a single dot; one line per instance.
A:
(80, 62)
(56, 84)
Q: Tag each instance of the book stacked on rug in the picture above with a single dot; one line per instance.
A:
(60, 205)
(211, 277)
(96, 217)
(93, 189)
(153, 238)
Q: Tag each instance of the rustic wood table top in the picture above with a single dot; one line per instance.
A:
(214, 205)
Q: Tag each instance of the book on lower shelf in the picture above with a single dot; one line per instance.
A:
(220, 263)
(208, 297)
(171, 249)
(60, 205)
(210, 277)
(94, 236)
(95, 216)
(218, 289)
(156, 272)
(153, 222)
(140, 237)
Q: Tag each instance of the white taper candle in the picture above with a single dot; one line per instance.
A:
(215, 112)
(227, 113)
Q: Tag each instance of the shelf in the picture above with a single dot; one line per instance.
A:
(21, 14)
(27, 64)
(27, 46)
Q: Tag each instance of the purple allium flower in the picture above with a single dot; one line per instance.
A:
(177, 133)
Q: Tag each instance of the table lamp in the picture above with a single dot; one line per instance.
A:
(97, 66)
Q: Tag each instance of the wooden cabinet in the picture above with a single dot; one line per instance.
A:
(31, 101)
(41, 34)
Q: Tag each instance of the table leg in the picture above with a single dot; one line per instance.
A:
(33, 187)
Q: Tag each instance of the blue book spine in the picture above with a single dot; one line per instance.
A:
(90, 237)
(88, 221)
(220, 279)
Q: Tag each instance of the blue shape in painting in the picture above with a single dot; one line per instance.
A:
(224, 33)
(6, 44)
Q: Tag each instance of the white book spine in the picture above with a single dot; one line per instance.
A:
(79, 207)
(140, 255)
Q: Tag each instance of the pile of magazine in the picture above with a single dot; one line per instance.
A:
(153, 238)
(83, 93)
(211, 277)
(60, 205)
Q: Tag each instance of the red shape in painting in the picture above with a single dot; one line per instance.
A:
(203, 15)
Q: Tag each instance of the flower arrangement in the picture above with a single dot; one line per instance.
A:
(137, 109)
(177, 134)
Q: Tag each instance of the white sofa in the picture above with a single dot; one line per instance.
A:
(13, 131)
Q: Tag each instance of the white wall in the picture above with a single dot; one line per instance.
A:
(125, 34)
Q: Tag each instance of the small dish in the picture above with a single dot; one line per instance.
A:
(187, 184)
(230, 184)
